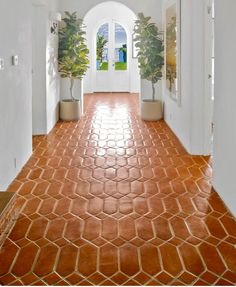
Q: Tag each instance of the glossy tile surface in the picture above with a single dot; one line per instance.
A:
(112, 200)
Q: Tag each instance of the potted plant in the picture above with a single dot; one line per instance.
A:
(72, 61)
(149, 42)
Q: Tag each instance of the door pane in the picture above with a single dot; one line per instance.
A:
(120, 48)
(102, 48)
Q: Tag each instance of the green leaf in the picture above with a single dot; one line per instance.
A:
(73, 53)
(148, 41)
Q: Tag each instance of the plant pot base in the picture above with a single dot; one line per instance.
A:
(151, 110)
(70, 110)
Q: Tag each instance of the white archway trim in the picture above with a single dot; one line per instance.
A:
(94, 18)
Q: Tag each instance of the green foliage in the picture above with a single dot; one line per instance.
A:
(120, 66)
(103, 66)
(101, 43)
(72, 52)
(150, 47)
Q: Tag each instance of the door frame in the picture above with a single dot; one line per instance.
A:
(208, 103)
(111, 22)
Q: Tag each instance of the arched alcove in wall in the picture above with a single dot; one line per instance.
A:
(113, 14)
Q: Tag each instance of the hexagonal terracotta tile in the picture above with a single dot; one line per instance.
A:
(113, 200)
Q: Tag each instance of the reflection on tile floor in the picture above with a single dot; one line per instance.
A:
(112, 200)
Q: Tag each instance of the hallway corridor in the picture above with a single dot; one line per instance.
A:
(113, 200)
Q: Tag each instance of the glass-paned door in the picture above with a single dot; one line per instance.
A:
(120, 48)
(112, 55)
(102, 48)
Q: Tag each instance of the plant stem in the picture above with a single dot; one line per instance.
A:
(153, 91)
(72, 81)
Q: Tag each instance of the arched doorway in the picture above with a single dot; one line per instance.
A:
(115, 70)
(112, 72)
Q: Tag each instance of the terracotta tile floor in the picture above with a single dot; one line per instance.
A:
(112, 200)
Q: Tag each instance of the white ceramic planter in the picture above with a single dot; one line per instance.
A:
(70, 110)
(77, 91)
(151, 110)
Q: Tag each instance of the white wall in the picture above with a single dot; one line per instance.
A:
(15, 89)
(45, 77)
(148, 7)
(151, 8)
(39, 104)
(52, 76)
(178, 116)
(16, 85)
(187, 119)
(225, 102)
